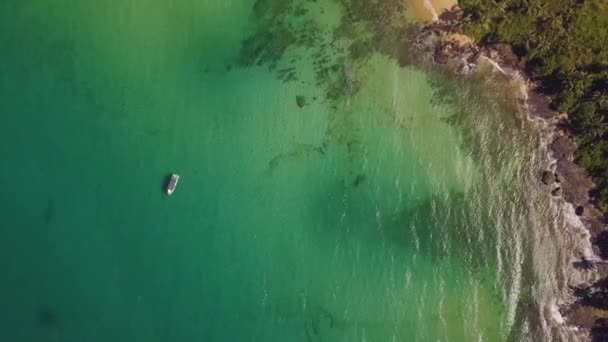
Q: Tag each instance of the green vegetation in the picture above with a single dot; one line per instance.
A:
(564, 45)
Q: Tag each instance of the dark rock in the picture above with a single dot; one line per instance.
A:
(584, 264)
(589, 310)
(564, 147)
(599, 332)
(578, 314)
(557, 192)
(579, 210)
(503, 53)
(548, 177)
(300, 100)
(594, 220)
(540, 105)
(601, 242)
(574, 182)
(558, 178)
(442, 55)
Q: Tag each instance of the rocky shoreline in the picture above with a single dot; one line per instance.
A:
(442, 42)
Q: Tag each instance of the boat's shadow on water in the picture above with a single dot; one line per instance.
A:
(164, 183)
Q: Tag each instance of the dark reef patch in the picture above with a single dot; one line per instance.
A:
(365, 28)
(284, 29)
(297, 151)
(320, 320)
(300, 101)
(360, 178)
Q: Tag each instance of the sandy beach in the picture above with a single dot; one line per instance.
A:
(429, 10)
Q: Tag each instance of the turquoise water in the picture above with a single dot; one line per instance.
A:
(382, 207)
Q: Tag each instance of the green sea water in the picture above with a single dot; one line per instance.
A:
(331, 189)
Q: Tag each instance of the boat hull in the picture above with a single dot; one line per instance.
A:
(172, 184)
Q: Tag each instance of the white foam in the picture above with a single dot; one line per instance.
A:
(556, 315)
(495, 65)
(578, 239)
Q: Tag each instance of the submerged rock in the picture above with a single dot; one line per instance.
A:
(556, 192)
(540, 105)
(574, 181)
(548, 177)
(442, 55)
(564, 147)
(300, 100)
(601, 242)
(584, 264)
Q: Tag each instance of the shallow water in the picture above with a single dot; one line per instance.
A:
(392, 203)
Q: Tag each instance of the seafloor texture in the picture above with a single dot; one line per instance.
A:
(330, 190)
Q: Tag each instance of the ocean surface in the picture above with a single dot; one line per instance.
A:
(332, 187)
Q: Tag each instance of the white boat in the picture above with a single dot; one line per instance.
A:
(172, 183)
